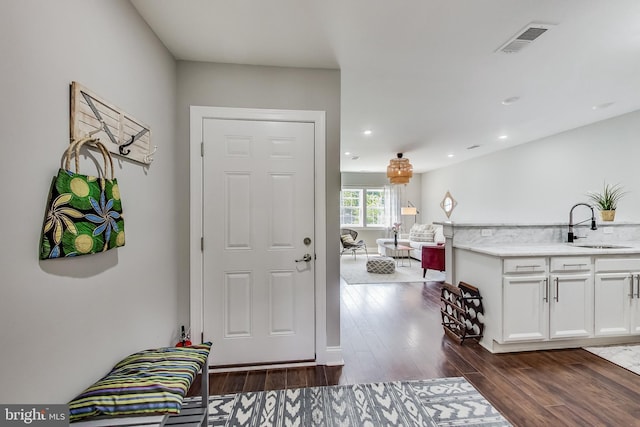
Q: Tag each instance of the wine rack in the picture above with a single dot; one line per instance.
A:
(462, 311)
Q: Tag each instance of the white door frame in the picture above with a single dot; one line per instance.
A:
(196, 281)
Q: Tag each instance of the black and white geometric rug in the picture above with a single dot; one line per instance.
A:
(433, 402)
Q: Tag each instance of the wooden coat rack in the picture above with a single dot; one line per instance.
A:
(121, 133)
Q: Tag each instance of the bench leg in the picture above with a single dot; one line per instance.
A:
(205, 392)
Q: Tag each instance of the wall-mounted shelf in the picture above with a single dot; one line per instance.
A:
(121, 133)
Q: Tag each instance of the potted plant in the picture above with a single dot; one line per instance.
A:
(607, 200)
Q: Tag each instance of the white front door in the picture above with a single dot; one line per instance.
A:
(258, 220)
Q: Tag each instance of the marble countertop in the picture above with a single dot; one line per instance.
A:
(528, 224)
(553, 249)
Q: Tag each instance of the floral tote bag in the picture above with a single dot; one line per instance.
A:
(83, 213)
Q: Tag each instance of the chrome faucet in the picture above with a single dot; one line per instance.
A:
(571, 237)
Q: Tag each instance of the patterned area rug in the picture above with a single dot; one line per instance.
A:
(627, 356)
(434, 402)
(354, 271)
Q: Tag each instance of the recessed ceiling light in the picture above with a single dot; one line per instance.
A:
(347, 153)
(503, 137)
(449, 155)
(367, 132)
(602, 106)
(510, 100)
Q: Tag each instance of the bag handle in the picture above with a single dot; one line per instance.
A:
(74, 149)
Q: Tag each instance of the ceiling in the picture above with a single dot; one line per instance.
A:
(425, 75)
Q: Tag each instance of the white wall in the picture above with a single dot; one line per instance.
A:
(539, 181)
(64, 323)
(226, 85)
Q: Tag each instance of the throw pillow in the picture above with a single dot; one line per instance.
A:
(347, 239)
(422, 233)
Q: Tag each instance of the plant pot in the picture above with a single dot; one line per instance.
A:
(608, 215)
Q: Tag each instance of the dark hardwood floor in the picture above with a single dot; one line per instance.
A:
(393, 332)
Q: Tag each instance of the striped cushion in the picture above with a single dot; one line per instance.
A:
(147, 382)
(347, 239)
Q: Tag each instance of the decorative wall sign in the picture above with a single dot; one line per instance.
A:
(448, 203)
(121, 133)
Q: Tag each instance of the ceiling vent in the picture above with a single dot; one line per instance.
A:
(524, 37)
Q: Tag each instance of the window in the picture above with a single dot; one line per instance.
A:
(362, 207)
(351, 208)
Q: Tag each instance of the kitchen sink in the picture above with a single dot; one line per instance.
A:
(599, 246)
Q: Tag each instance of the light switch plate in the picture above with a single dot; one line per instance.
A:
(486, 232)
(607, 230)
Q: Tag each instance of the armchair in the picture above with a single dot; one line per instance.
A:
(432, 258)
(348, 240)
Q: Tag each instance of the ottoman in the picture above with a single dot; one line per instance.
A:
(381, 265)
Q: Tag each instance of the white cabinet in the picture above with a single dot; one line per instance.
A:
(617, 296)
(547, 301)
(525, 308)
(570, 305)
(543, 301)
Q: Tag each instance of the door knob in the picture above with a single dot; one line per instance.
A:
(305, 258)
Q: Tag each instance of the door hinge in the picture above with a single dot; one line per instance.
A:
(202, 244)
(202, 149)
(201, 337)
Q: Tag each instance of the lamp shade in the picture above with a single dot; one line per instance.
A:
(399, 170)
(408, 210)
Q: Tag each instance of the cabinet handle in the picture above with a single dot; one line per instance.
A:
(557, 297)
(527, 266)
(546, 290)
(631, 286)
(638, 282)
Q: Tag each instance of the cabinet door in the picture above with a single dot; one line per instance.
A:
(525, 308)
(570, 306)
(635, 304)
(612, 303)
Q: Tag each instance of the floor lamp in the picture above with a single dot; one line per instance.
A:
(409, 211)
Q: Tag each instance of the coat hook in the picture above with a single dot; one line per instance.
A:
(96, 130)
(148, 159)
(121, 148)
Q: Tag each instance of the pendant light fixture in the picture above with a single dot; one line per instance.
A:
(399, 170)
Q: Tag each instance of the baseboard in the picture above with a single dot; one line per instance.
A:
(244, 368)
(332, 356)
(495, 347)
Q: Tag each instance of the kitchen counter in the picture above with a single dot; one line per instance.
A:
(551, 249)
(542, 296)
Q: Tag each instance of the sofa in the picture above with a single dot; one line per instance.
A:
(419, 235)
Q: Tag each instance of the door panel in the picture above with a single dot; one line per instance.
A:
(237, 298)
(258, 206)
(282, 303)
(237, 199)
